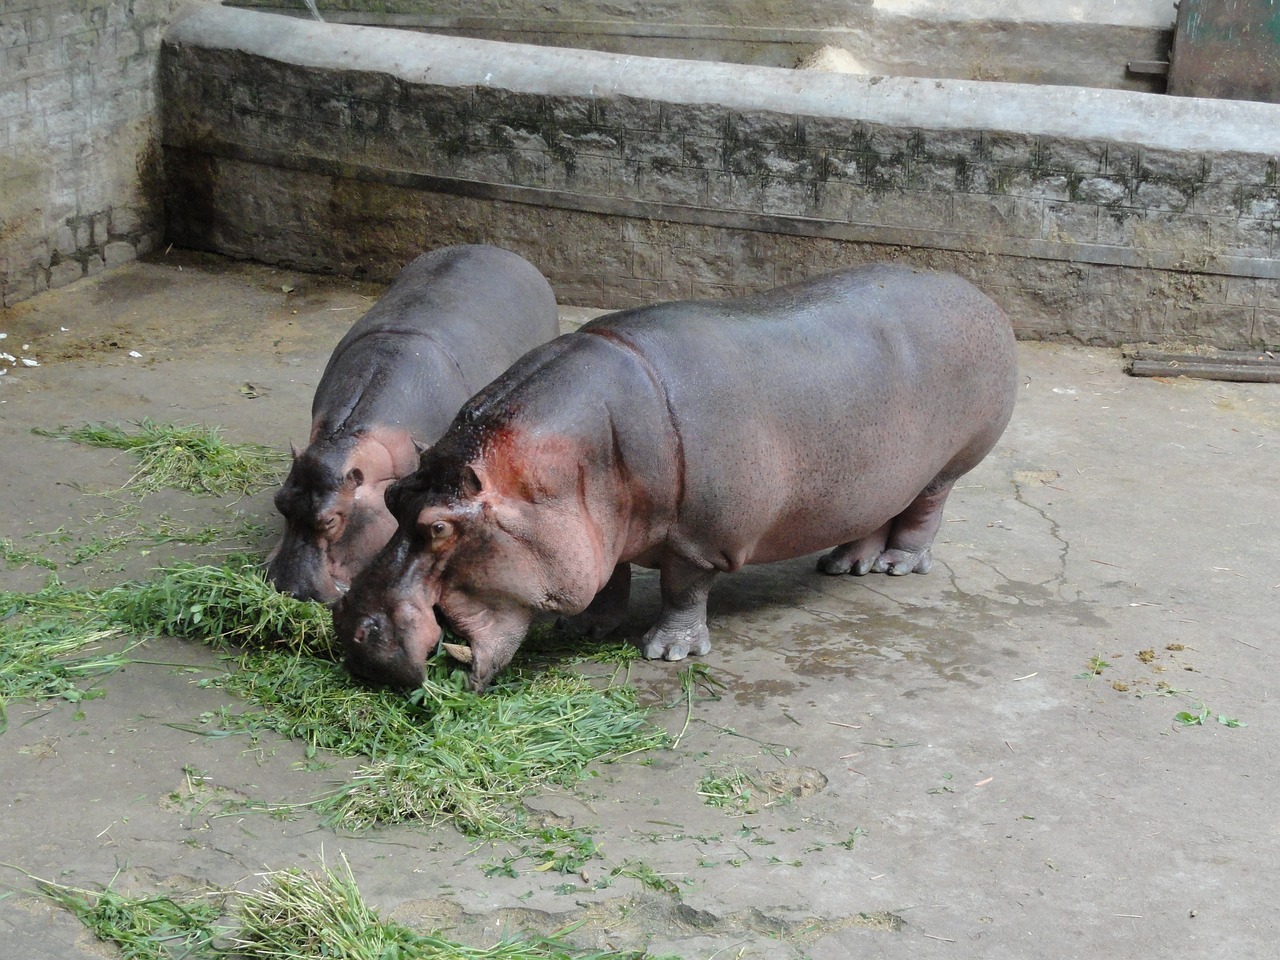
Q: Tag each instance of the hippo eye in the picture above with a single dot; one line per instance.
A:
(439, 530)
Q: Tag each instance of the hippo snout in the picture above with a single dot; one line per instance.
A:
(299, 572)
(306, 590)
(374, 650)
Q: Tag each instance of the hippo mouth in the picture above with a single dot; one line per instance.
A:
(452, 640)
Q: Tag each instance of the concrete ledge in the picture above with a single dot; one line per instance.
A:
(1139, 119)
(1084, 43)
(989, 176)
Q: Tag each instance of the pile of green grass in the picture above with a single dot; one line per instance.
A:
(439, 754)
(297, 914)
(146, 928)
(443, 753)
(224, 604)
(293, 915)
(191, 458)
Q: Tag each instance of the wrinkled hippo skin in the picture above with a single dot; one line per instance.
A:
(691, 437)
(452, 320)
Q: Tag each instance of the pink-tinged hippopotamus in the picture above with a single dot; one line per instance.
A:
(690, 437)
(451, 321)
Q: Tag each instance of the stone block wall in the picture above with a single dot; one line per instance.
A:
(79, 155)
(1094, 216)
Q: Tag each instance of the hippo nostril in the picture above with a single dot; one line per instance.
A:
(367, 631)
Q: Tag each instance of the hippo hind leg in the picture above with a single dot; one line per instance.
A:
(681, 629)
(910, 544)
(901, 546)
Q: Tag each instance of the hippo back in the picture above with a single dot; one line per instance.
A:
(452, 321)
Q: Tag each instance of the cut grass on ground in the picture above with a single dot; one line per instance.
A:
(443, 753)
(191, 458)
(440, 754)
(222, 604)
(51, 646)
(291, 915)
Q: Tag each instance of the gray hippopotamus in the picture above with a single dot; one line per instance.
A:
(693, 437)
(451, 321)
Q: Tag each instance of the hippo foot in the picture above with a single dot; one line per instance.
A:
(857, 557)
(839, 562)
(897, 563)
(676, 644)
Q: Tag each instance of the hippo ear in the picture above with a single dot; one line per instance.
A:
(473, 483)
(293, 450)
(355, 477)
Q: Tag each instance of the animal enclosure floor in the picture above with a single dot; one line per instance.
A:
(982, 762)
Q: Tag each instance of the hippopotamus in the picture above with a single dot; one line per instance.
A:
(451, 321)
(690, 437)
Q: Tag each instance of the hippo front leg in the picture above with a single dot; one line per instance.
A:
(606, 610)
(682, 624)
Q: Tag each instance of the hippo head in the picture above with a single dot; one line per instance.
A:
(335, 517)
(474, 551)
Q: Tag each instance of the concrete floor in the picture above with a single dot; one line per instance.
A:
(1012, 805)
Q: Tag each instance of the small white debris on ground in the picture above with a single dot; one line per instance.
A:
(12, 361)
